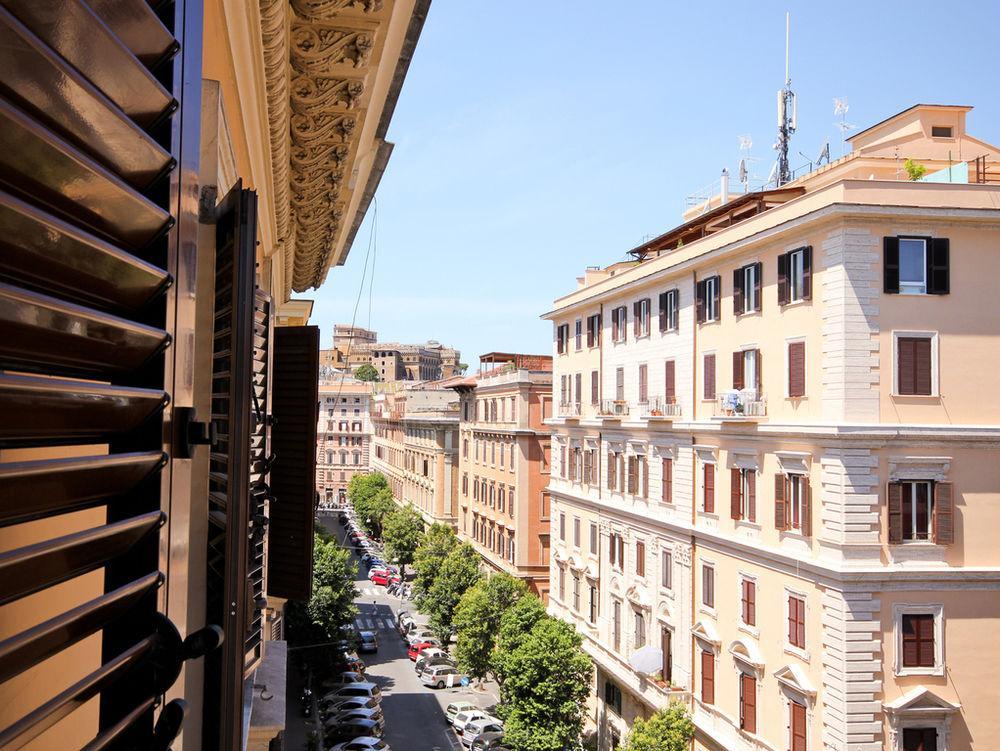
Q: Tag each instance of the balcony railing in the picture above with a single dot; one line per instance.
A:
(613, 408)
(659, 406)
(746, 404)
(570, 409)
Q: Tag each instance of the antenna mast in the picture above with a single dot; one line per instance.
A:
(786, 117)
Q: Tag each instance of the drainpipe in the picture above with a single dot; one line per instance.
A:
(694, 485)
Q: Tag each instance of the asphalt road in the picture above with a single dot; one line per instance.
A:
(414, 714)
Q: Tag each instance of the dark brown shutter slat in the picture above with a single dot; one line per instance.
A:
(735, 493)
(699, 301)
(796, 369)
(758, 273)
(938, 275)
(709, 485)
(922, 366)
(944, 513)
(783, 292)
(806, 491)
(669, 381)
(662, 299)
(738, 358)
(709, 376)
(707, 677)
(895, 511)
(667, 481)
(890, 265)
(906, 365)
(780, 505)
(738, 280)
(752, 496)
(138, 28)
(807, 255)
(636, 320)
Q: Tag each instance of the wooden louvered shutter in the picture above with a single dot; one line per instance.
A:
(797, 369)
(758, 271)
(895, 511)
(938, 282)
(663, 311)
(807, 256)
(666, 648)
(906, 365)
(780, 503)
(806, 492)
(611, 470)
(735, 493)
(890, 265)
(707, 677)
(709, 486)
(758, 372)
(738, 358)
(633, 474)
(922, 366)
(716, 295)
(709, 377)
(644, 490)
(798, 729)
(738, 279)
(590, 331)
(637, 319)
(944, 513)
(87, 203)
(667, 481)
(748, 703)
(783, 291)
(669, 382)
(699, 301)
(295, 408)
(751, 495)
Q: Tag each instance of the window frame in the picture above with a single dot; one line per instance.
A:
(578, 335)
(912, 288)
(796, 283)
(667, 570)
(790, 646)
(712, 292)
(670, 311)
(933, 609)
(898, 334)
(709, 603)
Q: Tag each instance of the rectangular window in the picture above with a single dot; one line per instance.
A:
(919, 739)
(748, 703)
(633, 475)
(562, 338)
(916, 265)
(797, 726)
(797, 622)
(708, 488)
(666, 569)
(616, 626)
(619, 323)
(578, 334)
(643, 384)
(912, 266)
(595, 389)
(669, 382)
(746, 289)
(562, 526)
(667, 480)
(612, 469)
(620, 384)
(640, 318)
(748, 602)
(613, 697)
(579, 389)
(940, 131)
(668, 310)
(594, 330)
(666, 648)
(576, 531)
(914, 366)
(593, 604)
(918, 640)
(746, 370)
(796, 369)
(562, 584)
(921, 511)
(708, 586)
(593, 538)
(640, 558)
(743, 494)
(708, 373)
(707, 677)
(639, 637)
(707, 299)
(792, 507)
(795, 276)
(576, 593)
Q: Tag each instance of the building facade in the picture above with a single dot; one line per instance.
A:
(819, 357)
(415, 445)
(504, 461)
(343, 437)
(354, 346)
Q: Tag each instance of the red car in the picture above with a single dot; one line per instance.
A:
(383, 578)
(414, 651)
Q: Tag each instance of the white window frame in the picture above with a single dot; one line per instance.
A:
(913, 288)
(667, 556)
(711, 311)
(800, 652)
(924, 608)
(905, 334)
(741, 624)
(673, 310)
(578, 335)
(796, 275)
(750, 288)
(750, 354)
(745, 474)
(620, 314)
(794, 499)
(929, 539)
(645, 311)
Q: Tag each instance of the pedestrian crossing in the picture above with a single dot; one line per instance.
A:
(362, 623)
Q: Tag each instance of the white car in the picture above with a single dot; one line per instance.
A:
(441, 676)
(418, 635)
(363, 744)
(476, 728)
(464, 718)
(452, 710)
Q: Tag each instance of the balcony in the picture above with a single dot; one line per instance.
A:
(613, 408)
(660, 408)
(744, 405)
(570, 409)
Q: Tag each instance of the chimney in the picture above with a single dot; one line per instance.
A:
(725, 187)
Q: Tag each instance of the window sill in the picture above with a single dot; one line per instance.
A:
(747, 629)
(796, 652)
(749, 314)
(935, 671)
(709, 322)
(795, 303)
(707, 611)
(748, 524)
(917, 397)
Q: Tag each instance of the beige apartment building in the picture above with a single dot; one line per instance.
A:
(504, 461)
(343, 436)
(354, 346)
(774, 457)
(415, 445)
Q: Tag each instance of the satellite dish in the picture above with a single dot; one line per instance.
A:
(743, 171)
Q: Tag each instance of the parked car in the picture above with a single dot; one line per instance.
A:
(358, 713)
(452, 710)
(417, 635)
(354, 702)
(339, 679)
(366, 690)
(440, 676)
(406, 623)
(464, 718)
(424, 663)
(490, 741)
(383, 578)
(417, 647)
(369, 641)
(473, 730)
(363, 744)
(350, 729)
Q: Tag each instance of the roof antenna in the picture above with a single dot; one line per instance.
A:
(786, 118)
(840, 107)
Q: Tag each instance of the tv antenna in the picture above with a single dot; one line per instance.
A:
(840, 107)
(746, 143)
(786, 118)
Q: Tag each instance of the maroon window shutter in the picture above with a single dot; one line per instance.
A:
(709, 374)
(758, 370)
(738, 279)
(699, 301)
(643, 383)
(590, 331)
(633, 475)
(614, 325)
(922, 366)
(793, 606)
(663, 311)
(637, 318)
(937, 266)
(709, 488)
(751, 496)
(716, 294)
(800, 625)
(735, 492)
(666, 483)
(611, 470)
(806, 520)
(707, 677)
(783, 293)
(780, 506)
(895, 509)
(738, 358)
(906, 365)
(748, 703)
(594, 388)
(644, 490)
(756, 284)
(666, 647)
(944, 514)
(797, 369)
(798, 726)
(640, 558)
(925, 634)
(621, 551)
(669, 380)
(807, 265)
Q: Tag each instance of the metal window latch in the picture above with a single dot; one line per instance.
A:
(191, 432)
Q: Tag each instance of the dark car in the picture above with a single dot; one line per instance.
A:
(351, 729)
(340, 678)
(491, 741)
(369, 641)
(331, 708)
(357, 713)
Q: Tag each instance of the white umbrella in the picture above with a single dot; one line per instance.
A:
(647, 660)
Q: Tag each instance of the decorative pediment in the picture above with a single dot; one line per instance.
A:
(748, 653)
(664, 611)
(637, 447)
(743, 459)
(920, 702)
(615, 586)
(794, 678)
(706, 454)
(576, 563)
(706, 632)
(919, 468)
(639, 597)
(794, 462)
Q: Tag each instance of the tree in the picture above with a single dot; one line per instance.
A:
(438, 541)
(402, 533)
(477, 621)
(669, 729)
(515, 624)
(366, 372)
(371, 498)
(458, 572)
(914, 169)
(545, 688)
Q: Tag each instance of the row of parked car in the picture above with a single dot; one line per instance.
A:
(476, 728)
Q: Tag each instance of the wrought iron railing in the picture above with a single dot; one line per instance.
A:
(744, 403)
(659, 406)
(613, 408)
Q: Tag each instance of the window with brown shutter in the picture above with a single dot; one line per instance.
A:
(738, 358)
(699, 301)
(783, 279)
(708, 586)
(918, 640)
(735, 493)
(633, 475)
(748, 602)
(637, 319)
(611, 470)
(595, 394)
(748, 703)
(796, 622)
(590, 331)
(708, 475)
(669, 382)
(667, 481)
(666, 649)
(739, 278)
(798, 730)
(914, 366)
(944, 514)
(643, 384)
(796, 369)
(640, 558)
(780, 504)
(707, 677)
(708, 387)
(668, 310)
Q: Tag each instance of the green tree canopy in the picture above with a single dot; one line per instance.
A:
(515, 624)
(458, 572)
(669, 729)
(545, 688)
(366, 372)
(371, 498)
(402, 533)
(438, 541)
(477, 620)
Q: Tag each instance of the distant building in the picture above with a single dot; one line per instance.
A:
(504, 464)
(354, 346)
(343, 437)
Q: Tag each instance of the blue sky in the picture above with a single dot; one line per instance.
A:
(536, 138)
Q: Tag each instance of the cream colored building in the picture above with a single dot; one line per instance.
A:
(777, 437)
(344, 437)
(415, 445)
(504, 461)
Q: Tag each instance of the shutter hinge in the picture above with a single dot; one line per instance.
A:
(191, 432)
